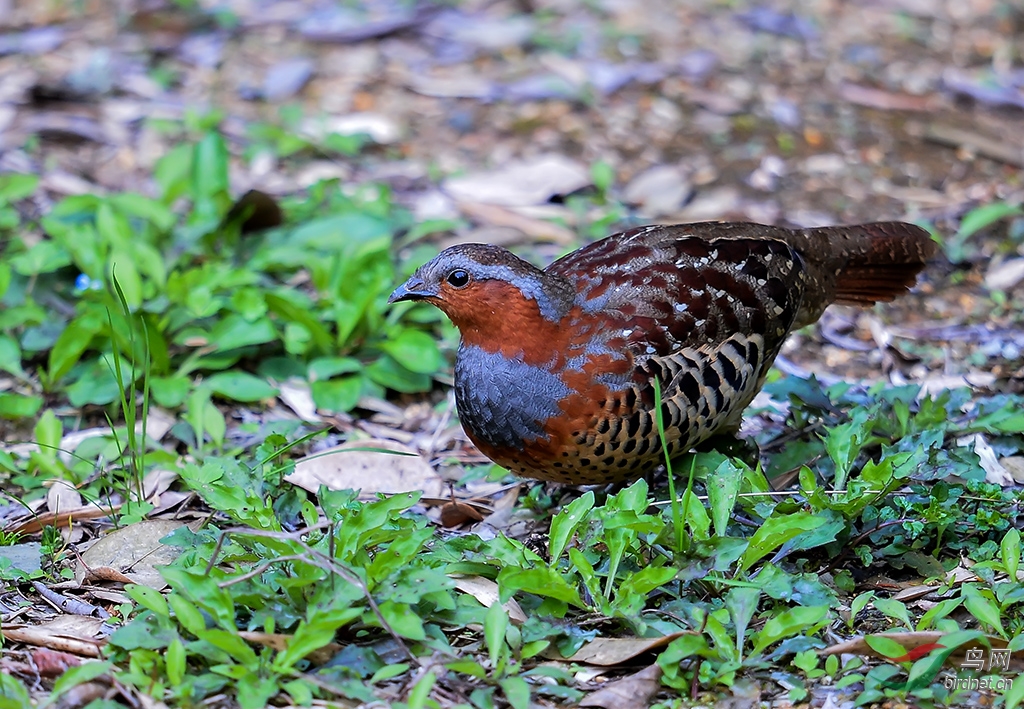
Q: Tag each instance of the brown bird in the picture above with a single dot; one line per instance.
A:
(554, 374)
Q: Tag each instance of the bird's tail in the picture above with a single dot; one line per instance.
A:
(876, 262)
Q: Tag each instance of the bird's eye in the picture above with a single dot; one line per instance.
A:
(458, 278)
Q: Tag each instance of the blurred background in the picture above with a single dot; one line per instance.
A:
(365, 133)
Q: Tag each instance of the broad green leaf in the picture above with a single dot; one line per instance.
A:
(984, 216)
(234, 332)
(389, 373)
(73, 342)
(517, 692)
(801, 619)
(565, 524)
(415, 350)
(19, 406)
(776, 531)
(895, 610)
(74, 676)
(885, 646)
(982, 607)
(337, 395)
(170, 392)
(240, 386)
(1009, 551)
(495, 625)
(723, 488)
(543, 581)
(10, 355)
(742, 604)
(49, 432)
(149, 598)
(16, 185)
(43, 257)
(403, 620)
(1015, 694)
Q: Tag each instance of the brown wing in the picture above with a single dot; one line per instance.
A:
(689, 286)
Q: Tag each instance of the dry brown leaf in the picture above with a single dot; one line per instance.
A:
(917, 645)
(520, 183)
(633, 691)
(456, 514)
(157, 482)
(296, 395)
(538, 229)
(62, 496)
(75, 634)
(369, 465)
(608, 652)
(34, 524)
(133, 551)
(486, 591)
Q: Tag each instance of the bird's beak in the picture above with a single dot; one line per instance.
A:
(412, 289)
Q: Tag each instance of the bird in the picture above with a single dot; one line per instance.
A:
(556, 367)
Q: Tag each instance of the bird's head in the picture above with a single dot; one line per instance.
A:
(485, 289)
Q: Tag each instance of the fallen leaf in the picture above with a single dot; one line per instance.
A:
(520, 183)
(1006, 275)
(633, 691)
(130, 554)
(917, 645)
(615, 651)
(995, 473)
(372, 465)
(486, 591)
(62, 496)
(296, 396)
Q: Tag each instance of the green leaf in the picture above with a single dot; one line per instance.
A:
(776, 531)
(984, 216)
(517, 692)
(723, 488)
(495, 625)
(421, 692)
(1015, 694)
(403, 620)
(10, 355)
(149, 598)
(43, 257)
(15, 186)
(885, 646)
(74, 676)
(982, 607)
(72, 343)
(565, 524)
(170, 392)
(240, 386)
(289, 311)
(742, 604)
(389, 373)
(13, 694)
(543, 581)
(415, 350)
(234, 332)
(802, 619)
(1009, 551)
(893, 609)
(19, 406)
(174, 658)
(49, 432)
(337, 395)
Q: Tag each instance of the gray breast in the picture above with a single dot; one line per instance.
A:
(504, 402)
